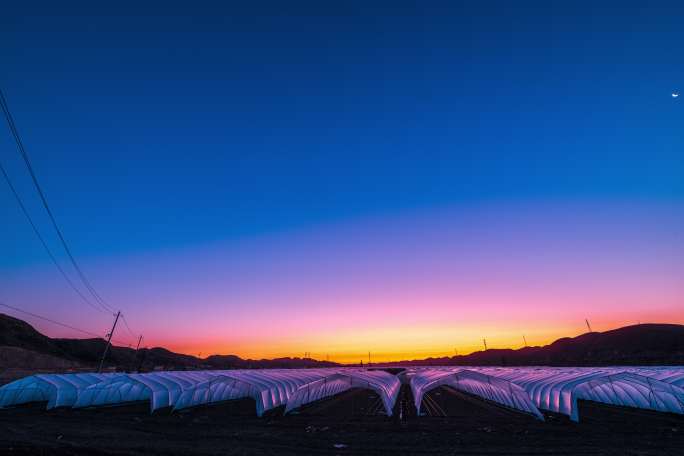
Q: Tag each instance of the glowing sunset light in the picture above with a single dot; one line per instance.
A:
(410, 286)
(407, 180)
(344, 227)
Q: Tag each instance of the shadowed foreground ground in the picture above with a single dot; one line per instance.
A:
(347, 424)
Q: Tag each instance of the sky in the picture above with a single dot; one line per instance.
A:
(404, 178)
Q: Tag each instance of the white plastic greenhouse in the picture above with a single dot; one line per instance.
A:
(58, 390)
(479, 384)
(269, 388)
(384, 384)
(527, 389)
(630, 390)
(559, 389)
(161, 389)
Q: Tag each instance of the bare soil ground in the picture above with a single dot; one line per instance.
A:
(346, 424)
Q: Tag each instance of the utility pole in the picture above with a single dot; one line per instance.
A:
(109, 341)
(137, 349)
(588, 325)
(141, 361)
(525, 340)
(369, 361)
(485, 343)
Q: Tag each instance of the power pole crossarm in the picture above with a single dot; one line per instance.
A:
(109, 341)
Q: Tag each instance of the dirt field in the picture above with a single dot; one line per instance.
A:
(347, 424)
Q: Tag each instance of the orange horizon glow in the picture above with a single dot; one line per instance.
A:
(404, 287)
(412, 343)
(406, 179)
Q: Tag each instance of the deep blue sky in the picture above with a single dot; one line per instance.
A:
(168, 125)
(404, 178)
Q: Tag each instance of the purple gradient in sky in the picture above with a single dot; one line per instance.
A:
(420, 282)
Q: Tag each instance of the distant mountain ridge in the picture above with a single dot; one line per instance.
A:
(645, 344)
(16, 333)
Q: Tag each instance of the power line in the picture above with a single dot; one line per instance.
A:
(50, 320)
(131, 332)
(83, 331)
(27, 161)
(109, 342)
(45, 246)
(98, 299)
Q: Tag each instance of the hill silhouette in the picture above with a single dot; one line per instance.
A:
(644, 344)
(16, 333)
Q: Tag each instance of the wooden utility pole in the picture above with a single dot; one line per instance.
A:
(524, 340)
(369, 361)
(109, 341)
(485, 343)
(588, 325)
(137, 353)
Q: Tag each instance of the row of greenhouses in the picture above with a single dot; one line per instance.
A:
(558, 390)
(270, 388)
(529, 390)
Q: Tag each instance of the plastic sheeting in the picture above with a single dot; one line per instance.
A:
(58, 390)
(630, 390)
(384, 384)
(556, 389)
(671, 375)
(269, 388)
(479, 384)
(559, 389)
(162, 389)
(552, 390)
